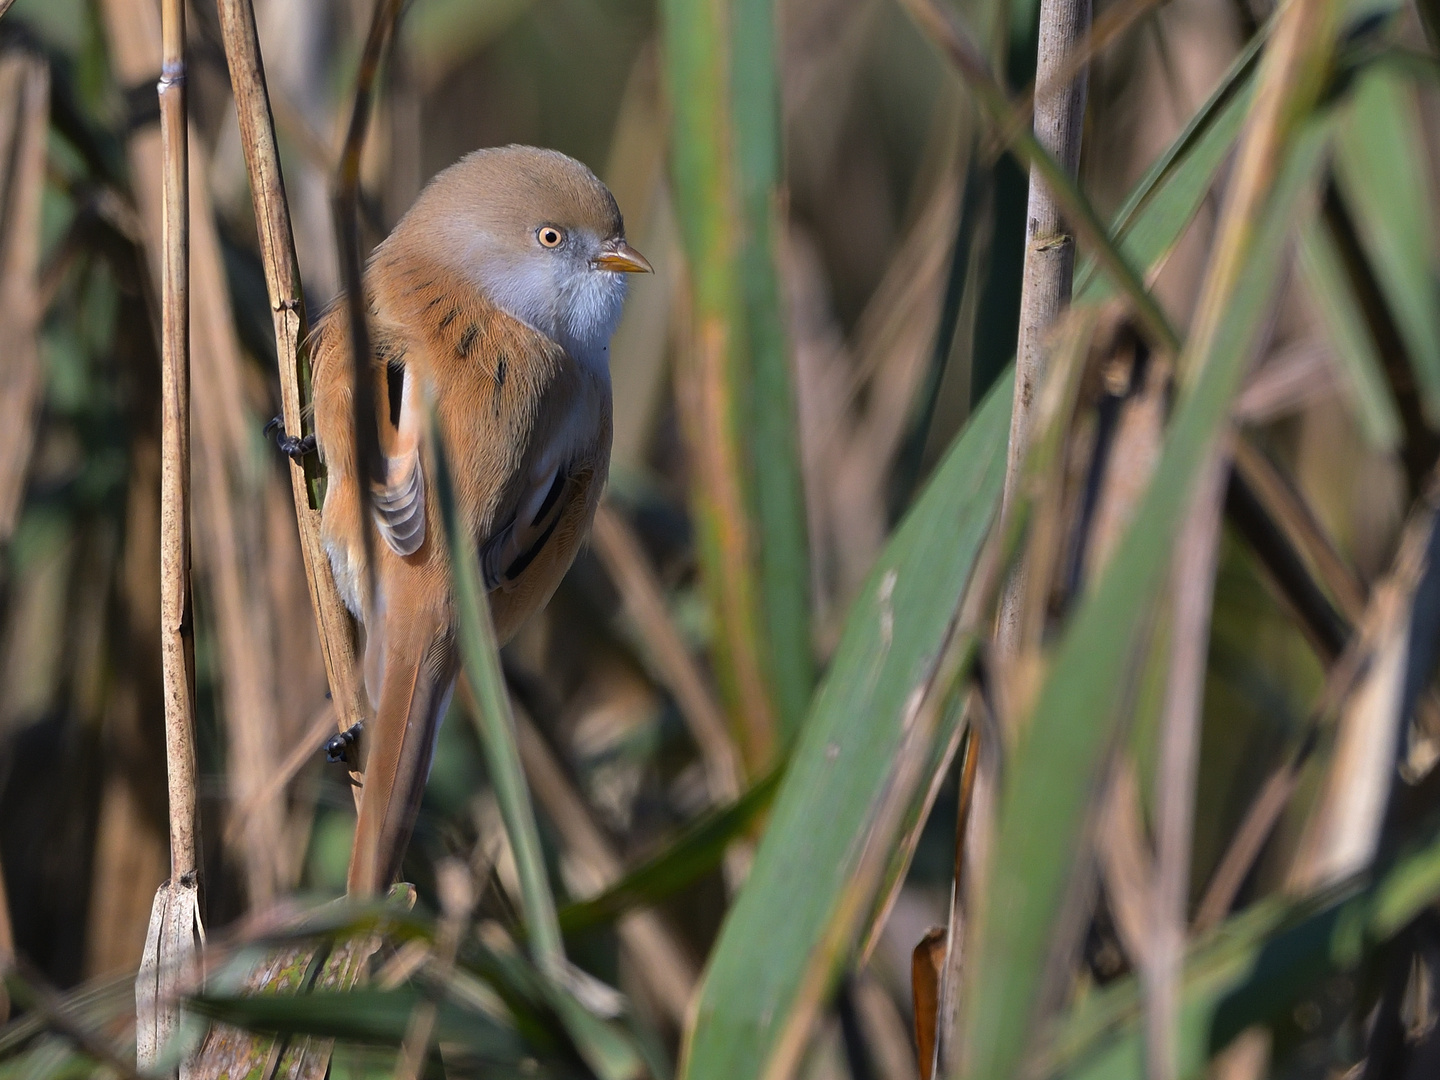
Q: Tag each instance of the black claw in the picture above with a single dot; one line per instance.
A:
(294, 448)
(338, 750)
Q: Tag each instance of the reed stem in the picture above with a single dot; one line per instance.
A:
(177, 627)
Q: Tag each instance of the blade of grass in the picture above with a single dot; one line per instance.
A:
(769, 417)
(714, 381)
(851, 774)
(495, 725)
(660, 962)
(625, 561)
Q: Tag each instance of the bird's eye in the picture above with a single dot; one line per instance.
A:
(549, 236)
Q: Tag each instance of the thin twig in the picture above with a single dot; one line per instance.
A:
(282, 280)
(176, 641)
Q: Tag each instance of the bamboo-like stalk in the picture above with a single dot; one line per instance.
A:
(282, 280)
(170, 960)
(1049, 250)
(177, 630)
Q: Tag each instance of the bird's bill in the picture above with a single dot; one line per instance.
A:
(623, 259)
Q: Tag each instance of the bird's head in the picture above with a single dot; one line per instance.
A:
(540, 236)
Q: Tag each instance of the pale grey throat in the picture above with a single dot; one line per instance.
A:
(557, 292)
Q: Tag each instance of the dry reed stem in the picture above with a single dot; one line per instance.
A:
(661, 962)
(625, 561)
(25, 90)
(282, 280)
(1191, 594)
(1049, 244)
(5, 6)
(177, 628)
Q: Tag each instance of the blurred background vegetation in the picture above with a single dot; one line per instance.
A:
(895, 237)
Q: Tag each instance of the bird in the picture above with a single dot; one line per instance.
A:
(494, 298)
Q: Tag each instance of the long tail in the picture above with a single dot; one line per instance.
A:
(418, 674)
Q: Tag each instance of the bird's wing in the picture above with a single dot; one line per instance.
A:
(398, 505)
(509, 552)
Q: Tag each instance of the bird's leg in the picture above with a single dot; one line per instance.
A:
(292, 446)
(342, 748)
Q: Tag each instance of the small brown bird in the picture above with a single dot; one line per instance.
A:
(497, 293)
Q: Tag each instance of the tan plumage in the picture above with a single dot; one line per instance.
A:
(468, 298)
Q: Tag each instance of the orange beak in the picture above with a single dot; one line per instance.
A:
(621, 258)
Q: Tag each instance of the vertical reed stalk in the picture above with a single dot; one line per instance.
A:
(282, 280)
(1049, 247)
(177, 630)
(170, 965)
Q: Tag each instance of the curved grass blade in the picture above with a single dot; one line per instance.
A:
(495, 725)
(796, 920)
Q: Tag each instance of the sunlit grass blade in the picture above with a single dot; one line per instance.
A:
(480, 657)
(603, 1046)
(1050, 779)
(796, 920)
(1354, 347)
(1385, 186)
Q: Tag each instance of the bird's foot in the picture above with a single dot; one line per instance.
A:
(292, 446)
(342, 748)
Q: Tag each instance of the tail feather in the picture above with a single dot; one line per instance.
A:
(418, 675)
